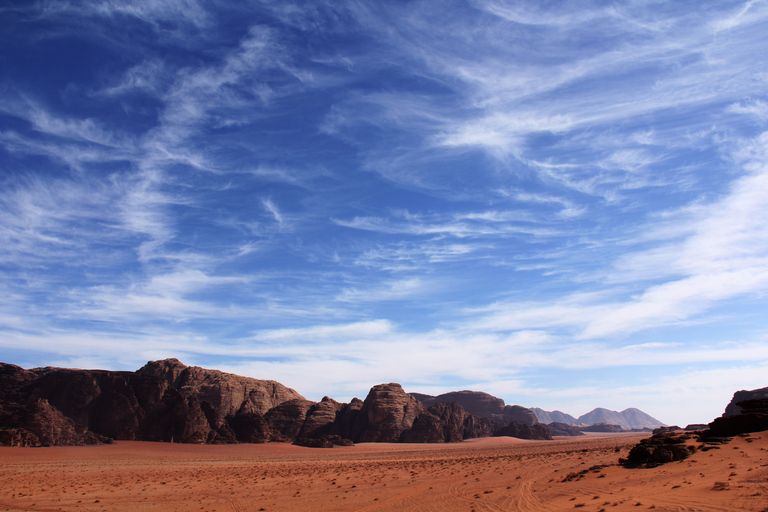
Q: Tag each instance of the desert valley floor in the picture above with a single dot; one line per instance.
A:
(492, 474)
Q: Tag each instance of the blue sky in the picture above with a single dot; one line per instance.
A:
(561, 204)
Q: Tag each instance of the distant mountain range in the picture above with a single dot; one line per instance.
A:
(628, 418)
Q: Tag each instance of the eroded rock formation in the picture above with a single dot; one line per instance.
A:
(228, 393)
(483, 405)
(387, 412)
(169, 401)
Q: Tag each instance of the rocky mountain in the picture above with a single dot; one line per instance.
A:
(169, 401)
(553, 417)
(228, 393)
(482, 405)
(628, 418)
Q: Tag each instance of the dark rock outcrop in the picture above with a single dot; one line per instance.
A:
(250, 427)
(733, 407)
(659, 449)
(387, 412)
(482, 405)
(753, 417)
(169, 401)
(442, 423)
(523, 431)
(119, 405)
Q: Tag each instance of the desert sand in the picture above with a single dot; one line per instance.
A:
(493, 474)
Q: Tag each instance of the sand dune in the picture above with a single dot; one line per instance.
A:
(494, 474)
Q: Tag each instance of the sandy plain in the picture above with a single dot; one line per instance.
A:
(496, 474)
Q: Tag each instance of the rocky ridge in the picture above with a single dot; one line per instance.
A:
(169, 401)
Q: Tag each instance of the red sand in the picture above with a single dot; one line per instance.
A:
(495, 474)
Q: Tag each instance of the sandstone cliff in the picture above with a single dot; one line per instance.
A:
(169, 401)
(387, 412)
(228, 393)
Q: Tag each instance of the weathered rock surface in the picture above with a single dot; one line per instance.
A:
(483, 405)
(286, 420)
(447, 423)
(41, 424)
(387, 412)
(227, 392)
(320, 418)
(345, 419)
(250, 427)
(169, 401)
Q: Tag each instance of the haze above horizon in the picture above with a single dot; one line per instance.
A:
(561, 205)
